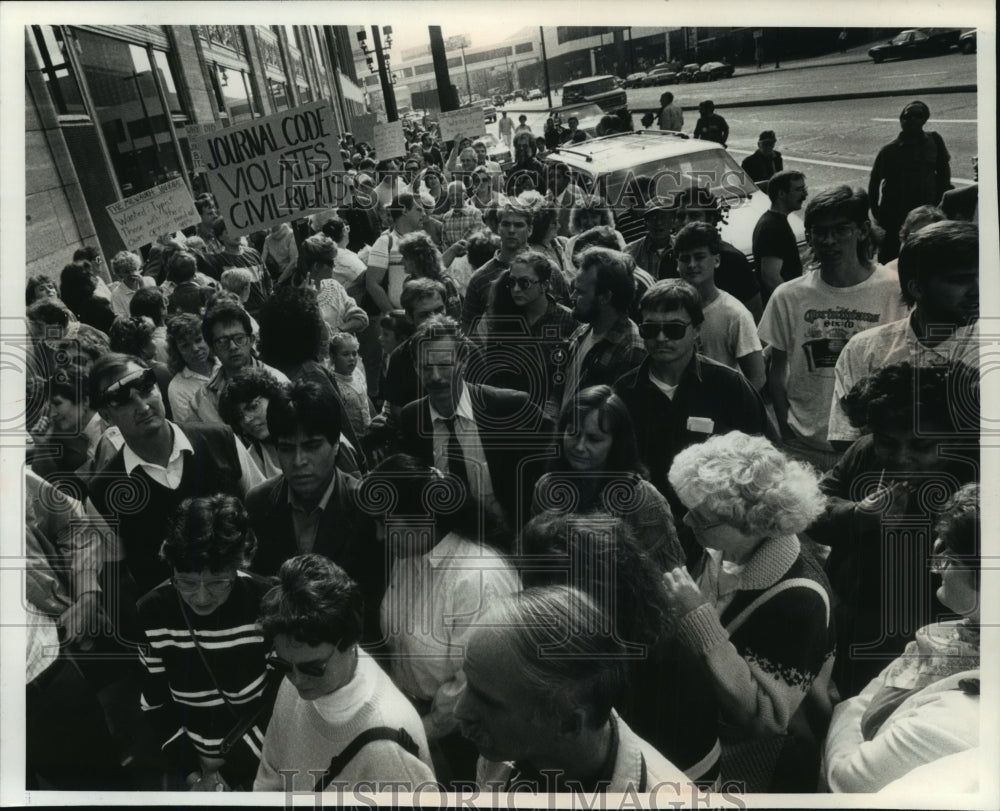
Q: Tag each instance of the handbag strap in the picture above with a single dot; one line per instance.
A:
(204, 659)
(338, 762)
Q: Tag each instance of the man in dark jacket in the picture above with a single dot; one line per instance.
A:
(766, 162)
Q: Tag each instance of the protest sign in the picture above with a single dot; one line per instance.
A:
(466, 121)
(389, 141)
(163, 209)
(193, 131)
(364, 128)
(275, 169)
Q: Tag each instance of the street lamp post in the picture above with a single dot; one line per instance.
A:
(468, 84)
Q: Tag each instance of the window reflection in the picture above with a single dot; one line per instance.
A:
(236, 98)
(49, 49)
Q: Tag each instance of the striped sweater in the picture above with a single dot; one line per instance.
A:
(179, 696)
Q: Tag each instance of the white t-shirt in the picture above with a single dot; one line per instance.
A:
(812, 322)
(728, 331)
(884, 346)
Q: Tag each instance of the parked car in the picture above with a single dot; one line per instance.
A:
(604, 165)
(967, 42)
(534, 93)
(634, 79)
(691, 72)
(588, 116)
(659, 76)
(916, 42)
(489, 113)
(717, 70)
(600, 90)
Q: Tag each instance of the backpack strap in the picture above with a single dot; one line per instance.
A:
(339, 762)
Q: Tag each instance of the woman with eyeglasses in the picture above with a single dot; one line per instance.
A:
(338, 716)
(598, 470)
(756, 608)
(205, 689)
(925, 705)
(526, 328)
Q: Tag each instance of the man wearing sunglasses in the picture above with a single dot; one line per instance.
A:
(333, 692)
(159, 465)
(676, 396)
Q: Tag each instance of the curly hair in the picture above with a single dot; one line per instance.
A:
(181, 267)
(551, 540)
(131, 336)
(482, 245)
(181, 328)
(224, 312)
(124, 263)
(148, 301)
(211, 533)
(748, 483)
(33, 287)
(545, 216)
(291, 327)
(928, 400)
(958, 525)
(590, 205)
(247, 385)
(317, 249)
(419, 248)
(314, 602)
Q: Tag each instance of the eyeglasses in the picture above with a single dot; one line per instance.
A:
(119, 393)
(841, 231)
(315, 669)
(224, 341)
(672, 330)
(694, 520)
(520, 282)
(216, 586)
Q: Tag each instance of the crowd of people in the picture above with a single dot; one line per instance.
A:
(452, 484)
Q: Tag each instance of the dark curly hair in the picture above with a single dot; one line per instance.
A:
(77, 284)
(958, 525)
(148, 301)
(181, 327)
(925, 400)
(246, 385)
(130, 336)
(314, 602)
(211, 533)
(554, 543)
(291, 328)
(420, 249)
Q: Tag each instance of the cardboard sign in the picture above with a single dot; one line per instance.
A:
(467, 121)
(275, 169)
(364, 128)
(193, 131)
(389, 141)
(163, 209)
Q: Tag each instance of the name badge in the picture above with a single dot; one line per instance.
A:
(701, 425)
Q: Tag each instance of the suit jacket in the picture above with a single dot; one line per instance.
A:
(515, 436)
(345, 535)
(756, 166)
(961, 204)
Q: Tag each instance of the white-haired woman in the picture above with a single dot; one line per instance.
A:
(756, 607)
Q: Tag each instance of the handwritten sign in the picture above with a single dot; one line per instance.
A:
(364, 128)
(389, 141)
(193, 131)
(466, 121)
(163, 209)
(275, 169)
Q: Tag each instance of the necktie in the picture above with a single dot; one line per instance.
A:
(456, 459)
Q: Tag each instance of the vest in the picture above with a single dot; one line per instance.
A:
(140, 508)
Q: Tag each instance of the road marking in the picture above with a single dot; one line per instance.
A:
(909, 75)
(939, 120)
(835, 165)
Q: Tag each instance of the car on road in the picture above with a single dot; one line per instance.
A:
(916, 42)
(608, 165)
(588, 116)
(634, 79)
(601, 90)
(659, 76)
(489, 113)
(691, 72)
(967, 42)
(717, 70)
(533, 94)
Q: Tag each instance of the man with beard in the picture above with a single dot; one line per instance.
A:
(939, 276)
(607, 344)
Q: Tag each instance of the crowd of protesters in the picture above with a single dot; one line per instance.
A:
(452, 484)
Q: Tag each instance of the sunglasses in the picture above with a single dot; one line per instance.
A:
(521, 283)
(672, 331)
(316, 669)
(119, 393)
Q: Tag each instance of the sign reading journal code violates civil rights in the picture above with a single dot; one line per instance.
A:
(275, 169)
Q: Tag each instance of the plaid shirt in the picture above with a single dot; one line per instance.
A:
(619, 351)
(459, 223)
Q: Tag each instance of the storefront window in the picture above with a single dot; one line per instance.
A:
(131, 116)
(279, 94)
(169, 86)
(49, 49)
(235, 95)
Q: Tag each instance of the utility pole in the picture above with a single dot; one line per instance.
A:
(391, 114)
(447, 95)
(468, 85)
(545, 66)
